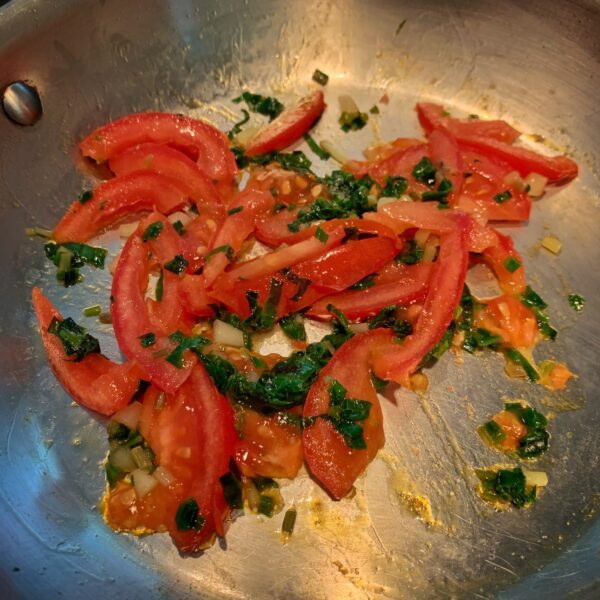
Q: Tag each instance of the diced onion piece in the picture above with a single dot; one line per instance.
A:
(226, 334)
(347, 104)
(141, 458)
(537, 184)
(127, 229)
(482, 282)
(552, 244)
(179, 215)
(246, 134)
(359, 327)
(387, 200)
(337, 154)
(129, 416)
(421, 237)
(163, 476)
(121, 458)
(143, 482)
(429, 253)
(537, 478)
(515, 180)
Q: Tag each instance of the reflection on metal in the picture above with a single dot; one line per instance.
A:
(21, 103)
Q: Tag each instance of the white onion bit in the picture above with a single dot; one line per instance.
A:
(227, 334)
(143, 482)
(129, 416)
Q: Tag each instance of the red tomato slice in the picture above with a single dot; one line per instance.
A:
(131, 319)
(398, 361)
(212, 147)
(194, 296)
(94, 382)
(268, 447)
(193, 437)
(431, 116)
(496, 257)
(558, 169)
(118, 199)
(273, 230)
(288, 127)
(410, 286)
(236, 228)
(172, 163)
(329, 459)
(272, 262)
(446, 157)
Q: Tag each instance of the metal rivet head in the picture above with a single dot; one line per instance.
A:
(21, 103)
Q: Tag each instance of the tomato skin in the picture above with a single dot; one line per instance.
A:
(398, 362)
(329, 459)
(288, 127)
(558, 169)
(410, 287)
(117, 199)
(446, 157)
(171, 163)
(95, 382)
(431, 116)
(190, 420)
(268, 448)
(211, 145)
(236, 228)
(131, 319)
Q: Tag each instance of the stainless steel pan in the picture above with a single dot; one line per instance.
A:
(537, 64)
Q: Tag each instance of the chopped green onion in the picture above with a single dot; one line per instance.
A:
(92, 311)
(511, 264)
(113, 474)
(515, 356)
(225, 249)
(289, 521)
(238, 126)
(264, 483)
(576, 301)
(320, 77)
(159, 290)
(441, 194)
(494, 432)
(374, 110)
(264, 105)
(394, 187)
(152, 231)
(321, 235)
(188, 516)
(233, 211)
(424, 171)
(314, 146)
(232, 490)
(85, 196)
(147, 340)
(75, 340)
(177, 264)
(266, 505)
(503, 197)
(365, 282)
(353, 121)
(179, 227)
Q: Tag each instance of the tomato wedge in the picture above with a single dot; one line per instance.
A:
(268, 447)
(558, 169)
(210, 145)
(95, 382)
(445, 155)
(431, 116)
(410, 286)
(118, 199)
(182, 170)
(330, 460)
(398, 361)
(247, 208)
(182, 435)
(288, 127)
(131, 318)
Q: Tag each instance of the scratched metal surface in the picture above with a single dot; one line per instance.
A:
(537, 65)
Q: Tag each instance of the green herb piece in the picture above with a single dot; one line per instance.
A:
(266, 505)
(264, 483)
(70, 257)
(113, 474)
(378, 383)
(233, 211)
(349, 197)
(258, 362)
(394, 187)
(493, 432)
(293, 327)
(263, 318)
(535, 441)
(411, 253)
(194, 343)
(576, 301)
(440, 348)
(374, 110)
(386, 317)
(289, 521)
(321, 235)
(238, 126)
(147, 340)
(302, 282)
(92, 311)
(425, 172)
(177, 264)
(159, 290)
(75, 339)
(511, 264)
(85, 196)
(365, 283)
(39, 232)
(508, 485)
(179, 227)
(480, 338)
(320, 77)
(516, 357)
(290, 161)
(344, 413)
(503, 197)
(353, 121)
(232, 490)
(441, 194)
(188, 516)
(226, 249)
(264, 105)
(117, 431)
(316, 148)
(152, 231)
(532, 300)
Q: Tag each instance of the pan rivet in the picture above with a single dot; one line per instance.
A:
(21, 103)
